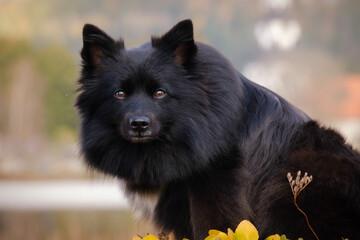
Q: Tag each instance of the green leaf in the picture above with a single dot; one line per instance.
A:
(283, 237)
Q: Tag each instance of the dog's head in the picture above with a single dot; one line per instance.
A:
(130, 88)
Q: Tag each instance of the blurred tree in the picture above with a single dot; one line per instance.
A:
(58, 69)
(11, 52)
(37, 89)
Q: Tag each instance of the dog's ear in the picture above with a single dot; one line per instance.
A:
(96, 46)
(179, 40)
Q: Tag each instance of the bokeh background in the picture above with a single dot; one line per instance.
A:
(306, 50)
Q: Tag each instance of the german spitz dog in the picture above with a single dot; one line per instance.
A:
(198, 146)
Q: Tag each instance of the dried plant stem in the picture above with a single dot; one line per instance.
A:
(297, 206)
(297, 185)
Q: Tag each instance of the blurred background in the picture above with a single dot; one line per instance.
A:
(306, 50)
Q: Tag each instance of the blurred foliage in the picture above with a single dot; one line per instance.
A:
(55, 70)
(11, 51)
(57, 66)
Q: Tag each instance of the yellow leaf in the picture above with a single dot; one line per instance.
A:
(215, 234)
(230, 234)
(150, 237)
(246, 231)
(273, 237)
(212, 237)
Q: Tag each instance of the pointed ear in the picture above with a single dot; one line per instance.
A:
(97, 45)
(179, 40)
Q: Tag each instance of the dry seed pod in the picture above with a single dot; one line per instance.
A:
(302, 182)
(290, 179)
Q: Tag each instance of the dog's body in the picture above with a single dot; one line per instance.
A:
(200, 147)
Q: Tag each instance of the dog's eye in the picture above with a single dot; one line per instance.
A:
(119, 94)
(159, 93)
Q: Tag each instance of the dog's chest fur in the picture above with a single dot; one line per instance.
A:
(143, 204)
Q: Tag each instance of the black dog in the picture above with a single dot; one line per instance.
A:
(201, 147)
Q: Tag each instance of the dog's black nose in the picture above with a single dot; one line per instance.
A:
(139, 124)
